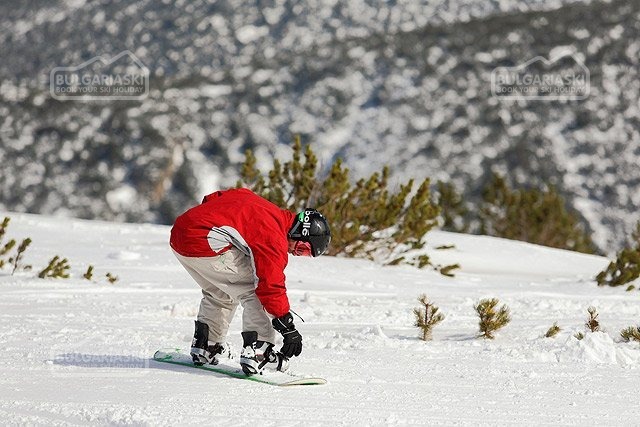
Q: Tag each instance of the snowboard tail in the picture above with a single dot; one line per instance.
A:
(232, 368)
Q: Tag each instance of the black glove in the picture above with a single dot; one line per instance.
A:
(292, 343)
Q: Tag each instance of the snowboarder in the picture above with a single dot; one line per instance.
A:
(235, 245)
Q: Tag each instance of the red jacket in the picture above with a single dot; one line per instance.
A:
(254, 225)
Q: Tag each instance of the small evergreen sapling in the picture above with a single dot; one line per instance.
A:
(5, 249)
(445, 247)
(57, 268)
(592, 322)
(447, 270)
(89, 274)
(626, 267)
(15, 260)
(427, 317)
(111, 278)
(553, 330)
(3, 227)
(491, 318)
(422, 261)
(631, 333)
(7, 246)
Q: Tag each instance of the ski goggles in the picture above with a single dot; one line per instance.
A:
(302, 248)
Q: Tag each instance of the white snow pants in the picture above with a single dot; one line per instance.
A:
(226, 280)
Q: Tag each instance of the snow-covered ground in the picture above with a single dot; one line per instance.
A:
(78, 352)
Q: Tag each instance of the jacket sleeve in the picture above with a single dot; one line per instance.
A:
(271, 290)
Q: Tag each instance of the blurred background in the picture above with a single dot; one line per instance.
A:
(403, 83)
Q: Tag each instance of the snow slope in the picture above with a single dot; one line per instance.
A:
(77, 353)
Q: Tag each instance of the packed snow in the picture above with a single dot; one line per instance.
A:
(78, 352)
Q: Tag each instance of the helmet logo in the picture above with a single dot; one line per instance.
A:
(306, 223)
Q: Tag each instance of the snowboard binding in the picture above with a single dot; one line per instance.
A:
(258, 355)
(204, 352)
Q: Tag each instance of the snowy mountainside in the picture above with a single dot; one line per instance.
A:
(402, 82)
(77, 352)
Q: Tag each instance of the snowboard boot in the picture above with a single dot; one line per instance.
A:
(203, 351)
(259, 355)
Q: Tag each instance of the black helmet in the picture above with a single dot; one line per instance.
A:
(311, 226)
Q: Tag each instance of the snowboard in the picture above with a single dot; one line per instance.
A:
(232, 368)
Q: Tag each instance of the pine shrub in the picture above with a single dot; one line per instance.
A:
(491, 318)
(423, 261)
(3, 227)
(531, 215)
(57, 269)
(111, 278)
(89, 274)
(626, 267)
(454, 210)
(6, 248)
(632, 333)
(445, 247)
(364, 216)
(592, 322)
(448, 270)
(553, 330)
(17, 258)
(427, 317)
